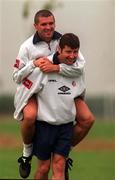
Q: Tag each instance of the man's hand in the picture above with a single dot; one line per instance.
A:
(46, 66)
(39, 61)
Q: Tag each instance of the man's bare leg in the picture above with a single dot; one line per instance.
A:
(42, 170)
(58, 167)
(28, 125)
(27, 130)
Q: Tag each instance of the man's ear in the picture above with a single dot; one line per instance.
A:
(35, 26)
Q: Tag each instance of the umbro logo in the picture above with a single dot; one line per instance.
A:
(64, 88)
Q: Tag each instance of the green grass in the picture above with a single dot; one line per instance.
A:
(9, 126)
(9, 165)
(87, 165)
(90, 165)
(93, 166)
(102, 129)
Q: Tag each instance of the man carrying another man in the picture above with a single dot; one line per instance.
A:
(43, 43)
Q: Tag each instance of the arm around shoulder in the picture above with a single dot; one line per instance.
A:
(74, 70)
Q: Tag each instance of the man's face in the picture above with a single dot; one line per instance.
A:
(68, 55)
(45, 27)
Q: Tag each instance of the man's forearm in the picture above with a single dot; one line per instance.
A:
(56, 68)
(46, 66)
(20, 74)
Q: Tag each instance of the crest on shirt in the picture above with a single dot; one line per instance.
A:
(27, 83)
(17, 63)
(74, 83)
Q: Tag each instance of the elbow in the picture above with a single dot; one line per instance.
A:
(91, 120)
(16, 80)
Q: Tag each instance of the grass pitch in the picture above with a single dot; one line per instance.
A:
(90, 163)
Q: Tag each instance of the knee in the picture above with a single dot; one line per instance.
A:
(30, 111)
(44, 169)
(30, 116)
(58, 167)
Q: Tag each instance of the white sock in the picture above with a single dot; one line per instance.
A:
(27, 149)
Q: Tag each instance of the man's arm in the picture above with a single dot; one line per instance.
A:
(46, 65)
(29, 86)
(20, 74)
(23, 66)
(74, 70)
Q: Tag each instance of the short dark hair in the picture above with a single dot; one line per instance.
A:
(69, 39)
(42, 13)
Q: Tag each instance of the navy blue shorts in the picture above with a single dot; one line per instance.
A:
(52, 139)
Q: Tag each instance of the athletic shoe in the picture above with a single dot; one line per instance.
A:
(68, 166)
(25, 166)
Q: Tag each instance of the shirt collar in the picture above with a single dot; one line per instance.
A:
(55, 58)
(37, 39)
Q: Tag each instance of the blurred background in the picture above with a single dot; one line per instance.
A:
(94, 22)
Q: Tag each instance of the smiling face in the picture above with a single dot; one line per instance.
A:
(68, 55)
(68, 48)
(45, 27)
